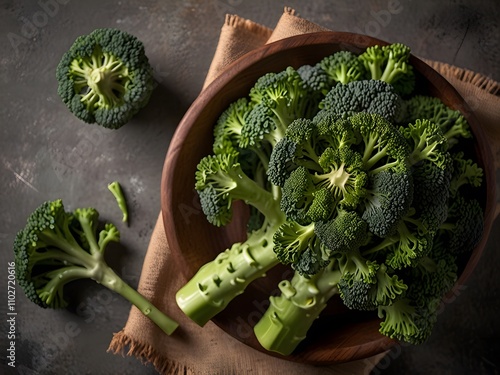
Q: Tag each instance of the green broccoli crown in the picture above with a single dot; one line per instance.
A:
(343, 67)
(390, 64)
(389, 197)
(371, 96)
(105, 77)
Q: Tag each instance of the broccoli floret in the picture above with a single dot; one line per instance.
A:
(421, 107)
(227, 130)
(390, 64)
(317, 82)
(382, 291)
(384, 148)
(298, 245)
(427, 142)
(342, 67)
(465, 173)
(277, 99)
(412, 317)
(406, 246)
(105, 77)
(389, 197)
(220, 180)
(116, 189)
(369, 96)
(464, 225)
(345, 232)
(57, 247)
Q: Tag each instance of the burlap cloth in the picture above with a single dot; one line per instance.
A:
(209, 350)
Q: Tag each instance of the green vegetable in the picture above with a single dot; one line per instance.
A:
(358, 184)
(116, 189)
(105, 77)
(57, 247)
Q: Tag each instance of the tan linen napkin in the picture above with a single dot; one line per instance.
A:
(209, 350)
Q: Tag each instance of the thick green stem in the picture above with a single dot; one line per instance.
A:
(112, 281)
(218, 282)
(290, 316)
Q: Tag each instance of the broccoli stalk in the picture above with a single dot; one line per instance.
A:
(57, 247)
(218, 282)
(290, 315)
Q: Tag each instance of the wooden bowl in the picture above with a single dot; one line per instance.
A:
(194, 241)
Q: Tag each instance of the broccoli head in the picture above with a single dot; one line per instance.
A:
(57, 247)
(105, 77)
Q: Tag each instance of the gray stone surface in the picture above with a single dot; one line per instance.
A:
(46, 153)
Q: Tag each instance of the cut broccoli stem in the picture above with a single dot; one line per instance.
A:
(116, 189)
(102, 82)
(112, 281)
(215, 284)
(288, 319)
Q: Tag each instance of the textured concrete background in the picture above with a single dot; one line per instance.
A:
(46, 153)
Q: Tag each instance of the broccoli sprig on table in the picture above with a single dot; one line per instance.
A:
(105, 77)
(356, 182)
(57, 247)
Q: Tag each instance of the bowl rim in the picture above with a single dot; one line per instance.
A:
(321, 38)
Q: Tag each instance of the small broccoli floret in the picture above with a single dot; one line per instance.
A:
(105, 77)
(116, 189)
(382, 291)
(57, 247)
(406, 246)
(277, 100)
(342, 67)
(227, 130)
(452, 123)
(384, 148)
(412, 317)
(390, 64)
(291, 239)
(465, 173)
(464, 225)
(317, 82)
(427, 142)
(347, 231)
(369, 96)
(220, 180)
(389, 196)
